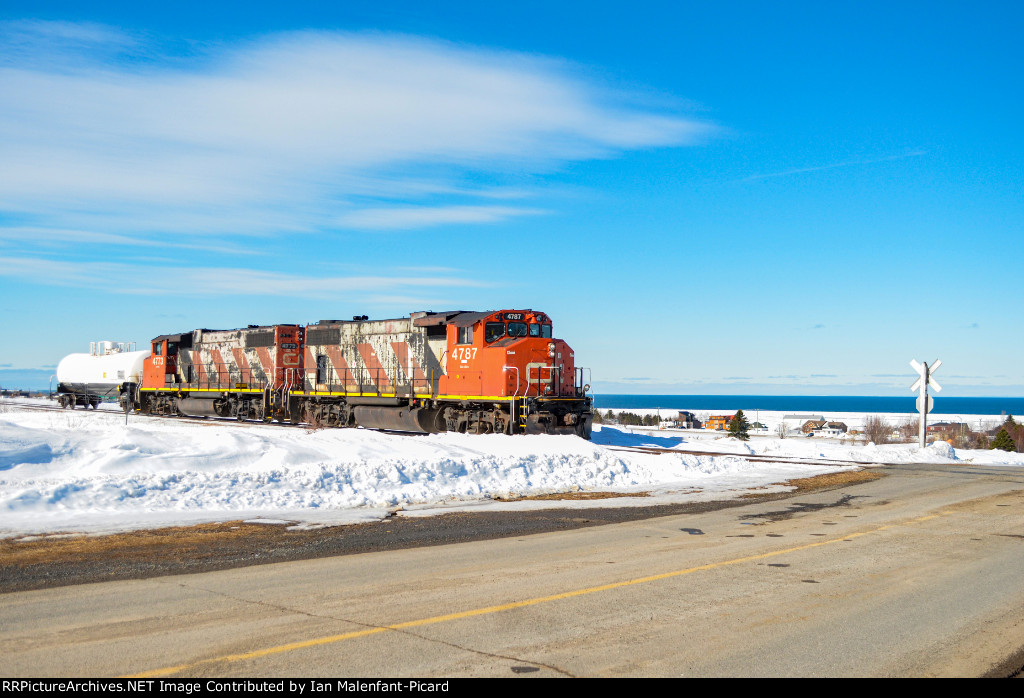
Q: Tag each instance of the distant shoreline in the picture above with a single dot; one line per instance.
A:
(813, 404)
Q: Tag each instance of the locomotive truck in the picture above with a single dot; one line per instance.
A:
(473, 372)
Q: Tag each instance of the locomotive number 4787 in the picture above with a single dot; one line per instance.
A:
(464, 353)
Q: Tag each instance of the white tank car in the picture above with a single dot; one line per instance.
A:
(85, 379)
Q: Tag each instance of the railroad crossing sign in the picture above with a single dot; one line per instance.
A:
(925, 403)
(925, 372)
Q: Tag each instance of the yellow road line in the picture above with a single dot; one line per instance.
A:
(331, 639)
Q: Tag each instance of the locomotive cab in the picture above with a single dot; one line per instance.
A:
(509, 353)
(513, 356)
(161, 368)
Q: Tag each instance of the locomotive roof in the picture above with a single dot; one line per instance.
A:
(467, 318)
(459, 318)
(429, 318)
(181, 336)
(173, 337)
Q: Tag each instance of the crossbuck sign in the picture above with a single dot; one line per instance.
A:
(925, 403)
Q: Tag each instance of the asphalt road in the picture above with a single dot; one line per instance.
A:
(916, 574)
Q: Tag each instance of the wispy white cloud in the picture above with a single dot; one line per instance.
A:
(407, 217)
(122, 278)
(100, 131)
(835, 165)
(42, 237)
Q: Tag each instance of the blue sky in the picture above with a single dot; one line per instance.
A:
(711, 198)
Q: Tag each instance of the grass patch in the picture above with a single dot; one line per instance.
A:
(846, 477)
(171, 543)
(828, 480)
(573, 496)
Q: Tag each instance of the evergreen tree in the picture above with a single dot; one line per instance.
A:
(739, 426)
(1003, 442)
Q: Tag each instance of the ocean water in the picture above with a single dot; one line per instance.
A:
(807, 404)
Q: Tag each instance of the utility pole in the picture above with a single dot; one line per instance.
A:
(925, 403)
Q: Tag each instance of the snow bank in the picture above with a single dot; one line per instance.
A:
(78, 471)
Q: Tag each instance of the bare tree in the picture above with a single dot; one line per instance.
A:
(781, 430)
(878, 430)
(909, 430)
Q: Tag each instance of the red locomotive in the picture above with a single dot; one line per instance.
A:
(491, 372)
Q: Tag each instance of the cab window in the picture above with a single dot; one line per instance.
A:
(517, 329)
(493, 331)
(158, 349)
(534, 329)
(465, 335)
(545, 331)
(172, 349)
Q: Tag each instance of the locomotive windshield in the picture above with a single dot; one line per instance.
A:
(517, 329)
(493, 331)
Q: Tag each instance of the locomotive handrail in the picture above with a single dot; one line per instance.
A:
(227, 380)
(581, 386)
(514, 412)
(364, 379)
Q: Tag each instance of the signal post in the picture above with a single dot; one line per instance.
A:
(925, 403)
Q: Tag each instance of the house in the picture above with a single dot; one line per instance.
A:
(718, 421)
(793, 421)
(687, 420)
(831, 429)
(812, 425)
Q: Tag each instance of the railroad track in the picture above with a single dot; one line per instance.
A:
(215, 421)
(204, 421)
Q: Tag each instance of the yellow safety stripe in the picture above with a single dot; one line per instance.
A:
(489, 398)
(196, 390)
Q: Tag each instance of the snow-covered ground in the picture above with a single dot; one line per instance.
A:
(78, 471)
(853, 420)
